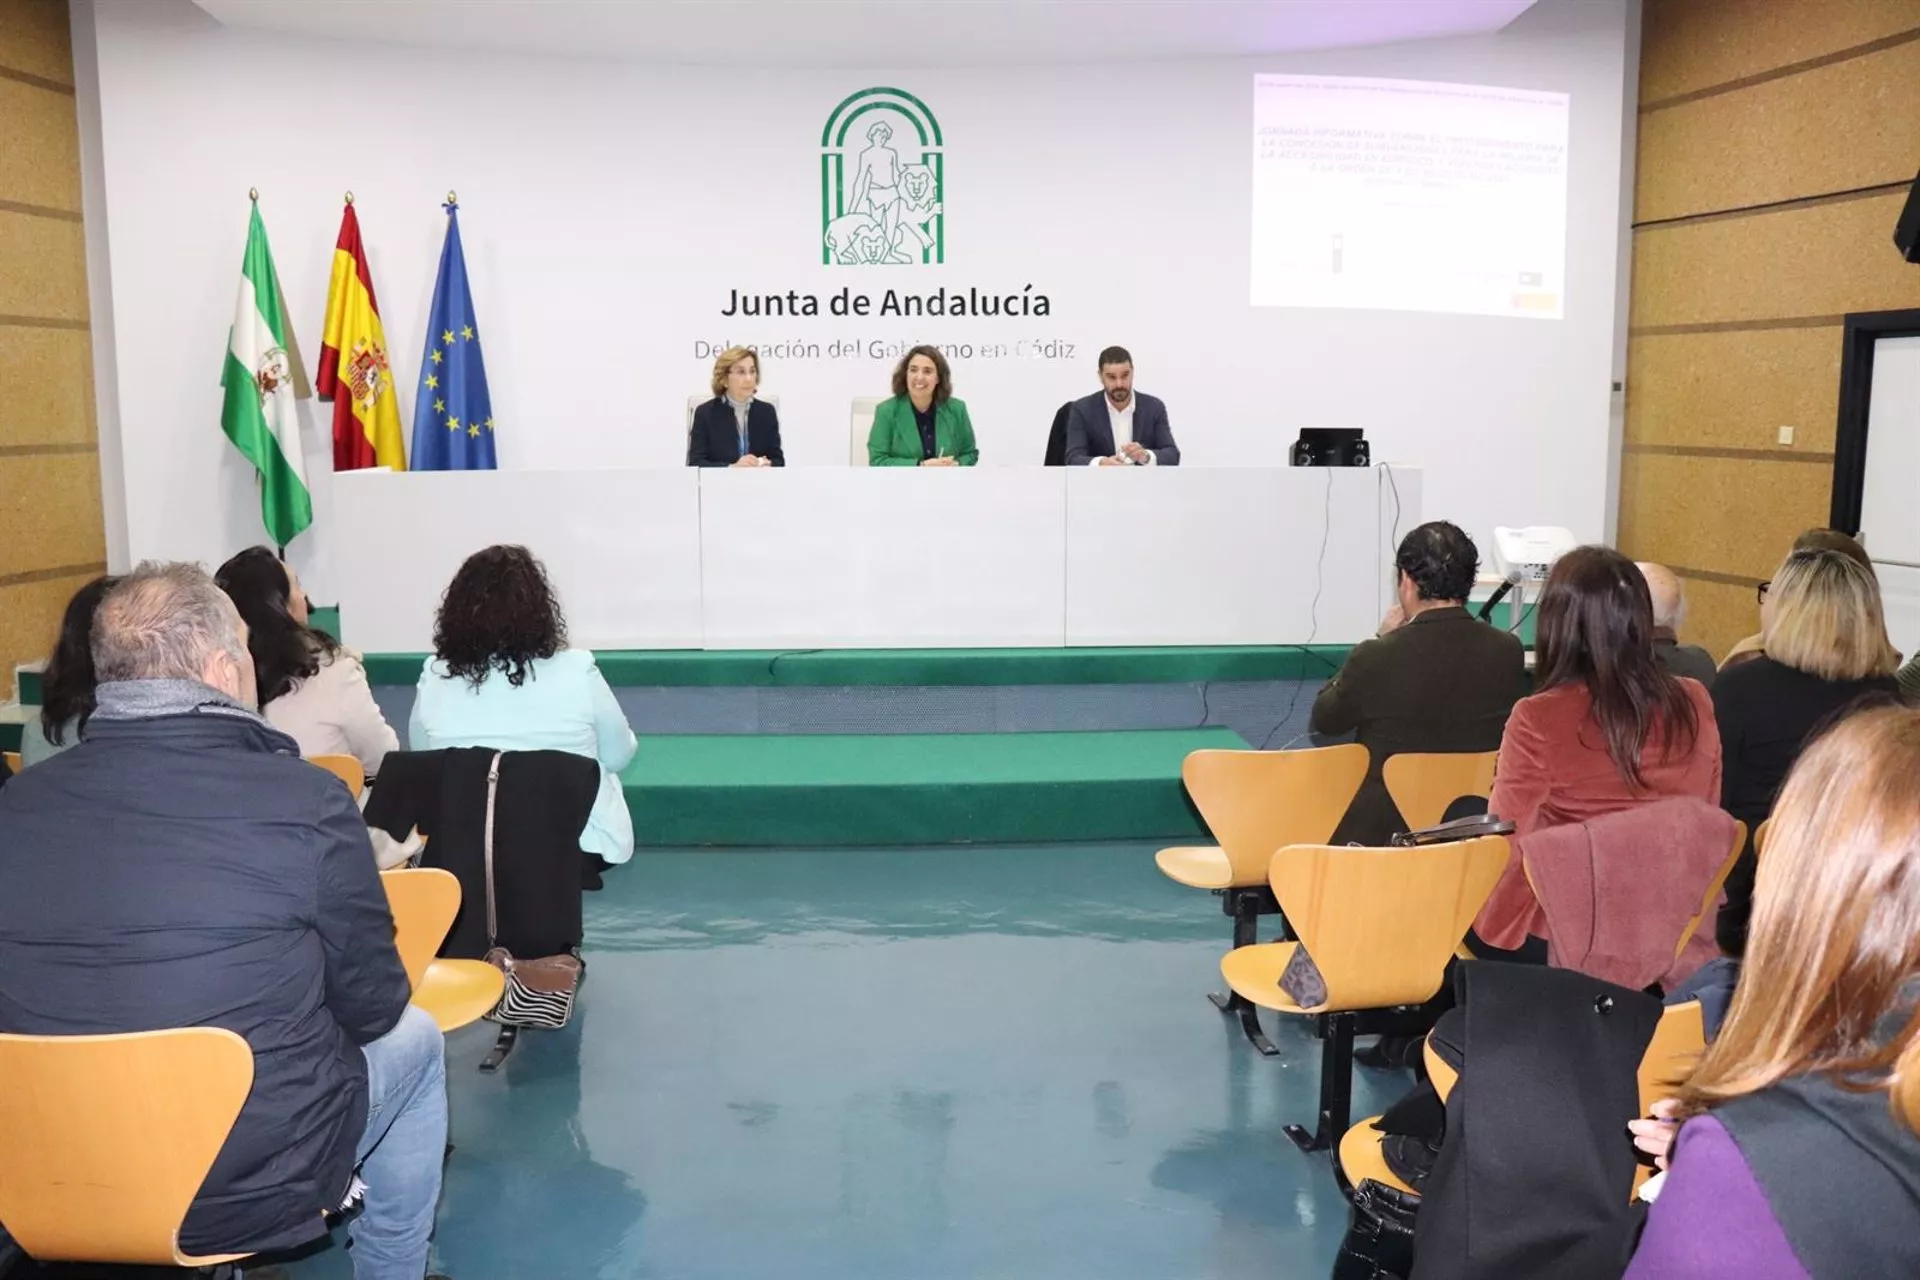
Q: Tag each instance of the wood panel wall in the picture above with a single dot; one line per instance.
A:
(1777, 140)
(51, 537)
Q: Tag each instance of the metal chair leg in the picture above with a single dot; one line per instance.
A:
(1336, 1087)
(502, 1046)
(1243, 907)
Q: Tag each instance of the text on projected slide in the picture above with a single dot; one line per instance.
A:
(1403, 195)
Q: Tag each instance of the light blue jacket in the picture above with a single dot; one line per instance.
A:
(564, 704)
(34, 746)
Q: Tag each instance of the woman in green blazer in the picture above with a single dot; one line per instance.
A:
(923, 425)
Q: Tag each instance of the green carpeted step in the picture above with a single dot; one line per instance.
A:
(827, 789)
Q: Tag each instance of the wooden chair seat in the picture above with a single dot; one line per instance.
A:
(1361, 1158)
(1253, 974)
(458, 992)
(1439, 1074)
(13, 761)
(1196, 866)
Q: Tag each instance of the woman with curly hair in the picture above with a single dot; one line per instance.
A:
(311, 688)
(502, 676)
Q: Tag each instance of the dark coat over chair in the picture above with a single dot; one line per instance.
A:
(543, 801)
(191, 870)
(1057, 438)
(1537, 1168)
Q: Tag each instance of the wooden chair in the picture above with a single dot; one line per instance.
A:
(1424, 784)
(1255, 802)
(105, 1140)
(424, 903)
(1700, 919)
(1678, 1040)
(346, 768)
(13, 761)
(1381, 925)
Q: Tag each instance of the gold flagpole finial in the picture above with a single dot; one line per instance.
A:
(452, 199)
(349, 197)
(253, 194)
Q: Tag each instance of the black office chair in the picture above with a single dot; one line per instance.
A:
(1057, 438)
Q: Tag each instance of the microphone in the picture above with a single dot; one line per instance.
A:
(1499, 594)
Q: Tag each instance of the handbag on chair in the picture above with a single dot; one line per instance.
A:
(539, 991)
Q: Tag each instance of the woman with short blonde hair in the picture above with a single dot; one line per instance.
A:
(1822, 615)
(1800, 1156)
(1825, 649)
(735, 428)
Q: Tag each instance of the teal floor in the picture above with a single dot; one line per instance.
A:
(909, 1065)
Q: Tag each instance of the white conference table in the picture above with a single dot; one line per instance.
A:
(827, 557)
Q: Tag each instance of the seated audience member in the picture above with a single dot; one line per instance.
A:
(1669, 611)
(922, 425)
(1824, 647)
(254, 906)
(503, 677)
(1607, 729)
(1435, 679)
(311, 688)
(1792, 1158)
(734, 429)
(1117, 426)
(1811, 540)
(66, 686)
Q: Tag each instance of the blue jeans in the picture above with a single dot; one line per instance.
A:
(402, 1150)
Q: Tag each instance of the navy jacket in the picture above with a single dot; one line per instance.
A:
(1090, 430)
(191, 870)
(714, 440)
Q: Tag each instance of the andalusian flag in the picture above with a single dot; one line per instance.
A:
(366, 420)
(257, 414)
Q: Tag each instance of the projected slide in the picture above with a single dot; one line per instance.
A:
(1402, 195)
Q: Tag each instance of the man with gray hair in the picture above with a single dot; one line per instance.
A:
(1669, 611)
(184, 867)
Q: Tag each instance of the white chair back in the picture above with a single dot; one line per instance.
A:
(862, 427)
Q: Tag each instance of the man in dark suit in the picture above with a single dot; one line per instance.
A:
(1117, 427)
(1435, 679)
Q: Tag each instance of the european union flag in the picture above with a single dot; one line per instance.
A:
(453, 415)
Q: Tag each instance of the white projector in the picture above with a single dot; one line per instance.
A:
(1526, 555)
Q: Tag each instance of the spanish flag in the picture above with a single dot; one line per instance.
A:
(353, 360)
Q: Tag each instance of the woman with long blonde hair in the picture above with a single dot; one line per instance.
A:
(1799, 1155)
(1826, 648)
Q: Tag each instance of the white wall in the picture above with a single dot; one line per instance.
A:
(608, 210)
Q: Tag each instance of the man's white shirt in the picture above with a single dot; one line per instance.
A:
(1121, 420)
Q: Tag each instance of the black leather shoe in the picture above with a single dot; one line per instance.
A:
(1391, 1053)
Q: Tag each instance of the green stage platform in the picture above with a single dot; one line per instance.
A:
(816, 789)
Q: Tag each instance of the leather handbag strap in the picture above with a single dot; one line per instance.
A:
(493, 914)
